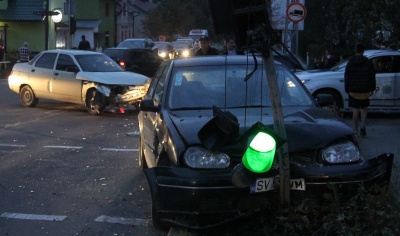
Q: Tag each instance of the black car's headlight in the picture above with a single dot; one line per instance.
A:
(341, 153)
(198, 157)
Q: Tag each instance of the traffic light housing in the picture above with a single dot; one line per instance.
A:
(72, 25)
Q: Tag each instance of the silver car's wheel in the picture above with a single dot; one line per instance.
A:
(27, 96)
(93, 104)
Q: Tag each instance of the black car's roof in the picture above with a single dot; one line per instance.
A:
(218, 60)
(130, 49)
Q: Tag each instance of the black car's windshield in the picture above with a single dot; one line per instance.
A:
(205, 86)
(97, 63)
(132, 44)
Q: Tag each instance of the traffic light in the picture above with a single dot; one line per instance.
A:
(72, 26)
(262, 144)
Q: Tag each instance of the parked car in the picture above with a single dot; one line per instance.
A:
(182, 49)
(386, 95)
(83, 77)
(164, 49)
(195, 124)
(137, 43)
(139, 60)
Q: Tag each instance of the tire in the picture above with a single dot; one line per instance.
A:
(95, 102)
(141, 159)
(27, 97)
(337, 101)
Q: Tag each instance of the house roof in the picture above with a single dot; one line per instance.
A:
(22, 10)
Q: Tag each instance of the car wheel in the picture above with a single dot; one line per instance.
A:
(141, 159)
(27, 96)
(337, 101)
(94, 104)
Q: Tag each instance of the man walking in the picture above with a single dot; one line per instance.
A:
(359, 83)
(24, 53)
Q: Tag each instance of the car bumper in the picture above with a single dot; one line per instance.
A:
(184, 190)
(132, 96)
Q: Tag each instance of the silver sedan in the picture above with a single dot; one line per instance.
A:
(83, 77)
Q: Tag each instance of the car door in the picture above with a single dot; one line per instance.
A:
(385, 82)
(64, 85)
(151, 120)
(41, 74)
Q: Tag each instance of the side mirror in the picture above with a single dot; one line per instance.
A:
(147, 104)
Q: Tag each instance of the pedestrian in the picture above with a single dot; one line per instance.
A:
(84, 44)
(205, 48)
(230, 47)
(359, 83)
(24, 53)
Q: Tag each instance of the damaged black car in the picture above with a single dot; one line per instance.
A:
(195, 125)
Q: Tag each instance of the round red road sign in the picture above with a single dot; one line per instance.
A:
(296, 12)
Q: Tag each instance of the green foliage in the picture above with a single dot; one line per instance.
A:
(175, 18)
(372, 212)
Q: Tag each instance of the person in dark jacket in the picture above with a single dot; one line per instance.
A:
(230, 47)
(205, 48)
(359, 83)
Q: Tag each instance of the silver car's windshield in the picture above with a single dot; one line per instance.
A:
(97, 63)
(205, 86)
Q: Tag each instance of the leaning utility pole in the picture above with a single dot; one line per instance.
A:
(279, 124)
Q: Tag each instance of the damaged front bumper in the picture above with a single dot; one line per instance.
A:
(134, 95)
(188, 191)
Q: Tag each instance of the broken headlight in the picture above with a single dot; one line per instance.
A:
(198, 157)
(341, 153)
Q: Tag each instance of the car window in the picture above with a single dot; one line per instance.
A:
(157, 86)
(46, 60)
(64, 62)
(97, 63)
(205, 86)
(382, 64)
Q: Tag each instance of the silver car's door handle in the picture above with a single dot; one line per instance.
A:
(33, 70)
(56, 74)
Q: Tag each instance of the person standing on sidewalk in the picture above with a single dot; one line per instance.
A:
(24, 53)
(359, 83)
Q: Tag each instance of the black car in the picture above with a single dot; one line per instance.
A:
(197, 121)
(138, 60)
(137, 43)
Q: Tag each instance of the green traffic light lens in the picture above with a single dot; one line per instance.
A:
(259, 156)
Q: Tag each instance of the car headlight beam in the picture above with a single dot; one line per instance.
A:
(341, 153)
(198, 157)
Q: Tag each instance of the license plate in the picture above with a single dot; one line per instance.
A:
(268, 184)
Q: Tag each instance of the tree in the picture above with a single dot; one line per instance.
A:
(175, 18)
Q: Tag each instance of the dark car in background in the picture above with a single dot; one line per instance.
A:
(197, 123)
(164, 49)
(139, 60)
(137, 43)
(182, 49)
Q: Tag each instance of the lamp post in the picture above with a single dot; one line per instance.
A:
(46, 13)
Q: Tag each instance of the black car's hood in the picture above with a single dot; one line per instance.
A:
(305, 129)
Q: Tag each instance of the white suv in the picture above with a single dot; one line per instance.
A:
(387, 94)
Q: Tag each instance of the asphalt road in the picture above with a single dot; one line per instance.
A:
(63, 172)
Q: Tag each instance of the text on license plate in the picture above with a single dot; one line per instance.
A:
(268, 184)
